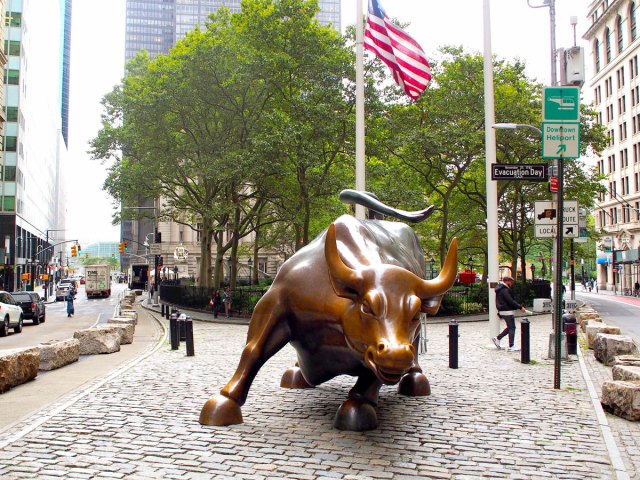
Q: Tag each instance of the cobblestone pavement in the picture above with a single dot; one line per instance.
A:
(494, 417)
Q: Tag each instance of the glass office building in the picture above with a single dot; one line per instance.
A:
(156, 25)
(36, 86)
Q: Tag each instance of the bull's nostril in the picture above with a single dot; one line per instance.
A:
(382, 347)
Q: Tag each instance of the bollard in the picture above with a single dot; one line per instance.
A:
(181, 327)
(570, 328)
(173, 332)
(525, 346)
(188, 326)
(168, 312)
(453, 344)
(162, 309)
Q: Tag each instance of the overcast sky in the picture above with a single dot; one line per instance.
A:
(98, 64)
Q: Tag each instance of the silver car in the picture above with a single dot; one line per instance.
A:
(10, 314)
(63, 288)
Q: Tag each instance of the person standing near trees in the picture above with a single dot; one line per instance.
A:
(226, 299)
(215, 302)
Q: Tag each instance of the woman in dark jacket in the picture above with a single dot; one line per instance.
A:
(215, 302)
(506, 305)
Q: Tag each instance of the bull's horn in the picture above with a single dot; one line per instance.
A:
(346, 281)
(369, 200)
(442, 283)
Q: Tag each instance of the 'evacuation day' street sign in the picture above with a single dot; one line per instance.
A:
(521, 171)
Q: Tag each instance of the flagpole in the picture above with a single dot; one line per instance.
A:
(493, 263)
(360, 171)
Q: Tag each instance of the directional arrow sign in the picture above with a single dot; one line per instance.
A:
(560, 140)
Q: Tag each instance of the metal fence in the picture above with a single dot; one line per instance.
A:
(459, 300)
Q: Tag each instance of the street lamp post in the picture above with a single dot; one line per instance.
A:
(250, 263)
(432, 263)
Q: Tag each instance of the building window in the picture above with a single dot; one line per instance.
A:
(12, 114)
(607, 45)
(13, 19)
(632, 20)
(596, 53)
(9, 173)
(619, 33)
(9, 203)
(13, 76)
(10, 143)
(12, 47)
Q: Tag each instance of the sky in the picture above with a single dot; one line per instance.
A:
(97, 65)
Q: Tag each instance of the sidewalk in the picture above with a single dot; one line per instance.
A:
(493, 417)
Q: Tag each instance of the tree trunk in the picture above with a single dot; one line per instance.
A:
(205, 254)
(233, 274)
(255, 280)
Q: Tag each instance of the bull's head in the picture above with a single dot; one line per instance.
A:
(382, 321)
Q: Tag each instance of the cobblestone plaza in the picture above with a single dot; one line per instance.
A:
(493, 417)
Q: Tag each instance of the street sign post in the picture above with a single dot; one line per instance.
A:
(519, 171)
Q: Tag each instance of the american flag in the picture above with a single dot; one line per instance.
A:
(397, 50)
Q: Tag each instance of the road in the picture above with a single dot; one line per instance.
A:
(58, 326)
(50, 386)
(620, 311)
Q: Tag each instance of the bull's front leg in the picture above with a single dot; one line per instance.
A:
(267, 335)
(358, 412)
(414, 383)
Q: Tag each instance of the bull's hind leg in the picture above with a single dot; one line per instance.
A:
(414, 383)
(358, 412)
(293, 378)
(267, 335)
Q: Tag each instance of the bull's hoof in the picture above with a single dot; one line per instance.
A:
(292, 378)
(356, 416)
(220, 411)
(414, 384)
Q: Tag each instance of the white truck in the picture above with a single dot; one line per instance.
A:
(97, 280)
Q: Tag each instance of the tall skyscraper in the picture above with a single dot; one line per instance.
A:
(36, 84)
(156, 25)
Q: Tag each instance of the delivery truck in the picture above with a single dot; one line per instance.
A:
(97, 280)
(138, 275)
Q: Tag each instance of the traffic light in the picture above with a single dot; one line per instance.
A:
(79, 248)
(121, 247)
(74, 252)
(126, 246)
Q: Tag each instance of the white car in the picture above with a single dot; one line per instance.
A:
(10, 314)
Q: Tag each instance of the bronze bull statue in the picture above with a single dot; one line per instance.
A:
(349, 303)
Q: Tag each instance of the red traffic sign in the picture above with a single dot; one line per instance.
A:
(553, 184)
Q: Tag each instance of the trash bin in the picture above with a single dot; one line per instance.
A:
(541, 288)
(570, 328)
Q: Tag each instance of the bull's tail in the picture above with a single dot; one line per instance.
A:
(369, 200)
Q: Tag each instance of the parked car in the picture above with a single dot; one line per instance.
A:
(63, 288)
(10, 314)
(32, 304)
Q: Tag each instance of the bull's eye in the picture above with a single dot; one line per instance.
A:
(366, 309)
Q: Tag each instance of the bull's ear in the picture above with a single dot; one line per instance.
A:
(346, 282)
(431, 291)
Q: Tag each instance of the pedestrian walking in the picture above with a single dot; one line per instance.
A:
(226, 299)
(215, 303)
(506, 305)
(69, 299)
